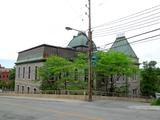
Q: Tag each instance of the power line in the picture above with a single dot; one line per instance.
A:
(146, 11)
(130, 28)
(136, 41)
(135, 35)
(133, 22)
(127, 29)
(147, 41)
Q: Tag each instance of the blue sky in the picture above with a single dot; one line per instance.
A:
(7, 63)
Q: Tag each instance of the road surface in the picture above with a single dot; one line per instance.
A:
(27, 108)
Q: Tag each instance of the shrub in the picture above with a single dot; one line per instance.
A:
(156, 102)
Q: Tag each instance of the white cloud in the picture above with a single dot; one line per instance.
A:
(27, 23)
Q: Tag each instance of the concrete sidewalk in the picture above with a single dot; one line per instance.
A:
(154, 108)
(42, 98)
(100, 103)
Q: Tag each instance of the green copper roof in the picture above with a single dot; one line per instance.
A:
(30, 57)
(42, 52)
(32, 54)
(122, 45)
(80, 40)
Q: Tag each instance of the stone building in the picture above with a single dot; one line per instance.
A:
(29, 60)
(132, 83)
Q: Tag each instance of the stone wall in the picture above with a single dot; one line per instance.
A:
(25, 83)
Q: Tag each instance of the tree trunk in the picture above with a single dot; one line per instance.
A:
(126, 86)
(112, 86)
(106, 84)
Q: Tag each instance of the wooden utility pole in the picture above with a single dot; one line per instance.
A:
(90, 81)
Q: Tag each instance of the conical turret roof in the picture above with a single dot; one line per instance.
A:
(121, 44)
(80, 40)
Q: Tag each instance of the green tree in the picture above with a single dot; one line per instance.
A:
(12, 73)
(61, 74)
(2, 84)
(53, 73)
(113, 64)
(11, 82)
(158, 79)
(150, 79)
(80, 68)
(58, 73)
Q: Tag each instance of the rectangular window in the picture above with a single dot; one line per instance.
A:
(29, 72)
(36, 72)
(22, 89)
(23, 72)
(17, 88)
(19, 72)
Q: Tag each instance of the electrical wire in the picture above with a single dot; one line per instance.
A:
(126, 30)
(136, 41)
(133, 22)
(135, 35)
(146, 11)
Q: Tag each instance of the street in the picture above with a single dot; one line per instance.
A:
(27, 108)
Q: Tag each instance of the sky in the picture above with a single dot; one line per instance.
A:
(29, 23)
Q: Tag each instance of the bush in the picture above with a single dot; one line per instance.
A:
(156, 102)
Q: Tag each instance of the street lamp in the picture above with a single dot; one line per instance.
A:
(69, 28)
(90, 81)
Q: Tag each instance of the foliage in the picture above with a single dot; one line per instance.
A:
(158, 79)
(60, 74)
(80, 62)
(10, 83)
(51, 71)
(12, 73)
(2, 84)
(155, 102)
(150, 82)
(114, 64)
(11, 78)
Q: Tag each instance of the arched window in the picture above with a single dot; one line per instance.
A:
(22, 89)
(23, 72)
(34, 90)
(29, 72)
(36, 72)
(28, 90)
(19, 72)
(17, 88)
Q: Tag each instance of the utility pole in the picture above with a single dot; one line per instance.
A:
(90, 81)
(90, 77)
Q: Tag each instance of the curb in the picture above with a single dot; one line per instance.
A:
(152, 108)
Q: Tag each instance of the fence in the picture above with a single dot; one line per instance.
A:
(78, 94)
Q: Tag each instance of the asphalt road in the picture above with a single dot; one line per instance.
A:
(26, 108)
